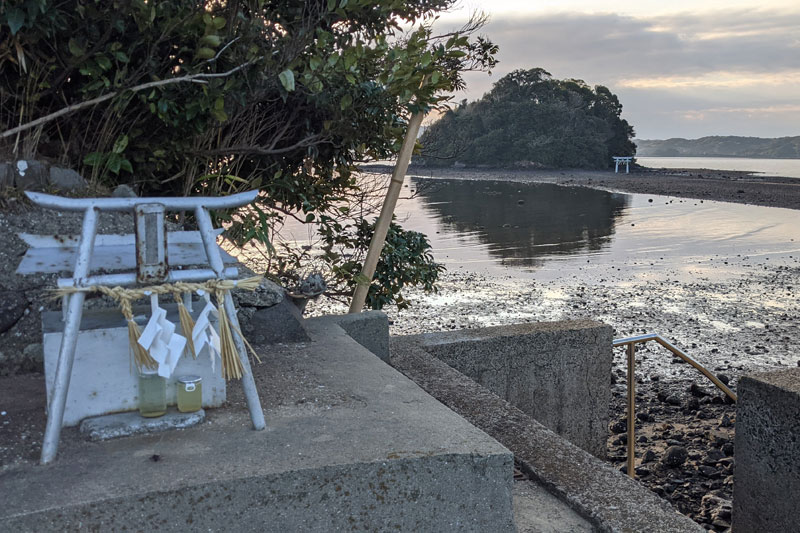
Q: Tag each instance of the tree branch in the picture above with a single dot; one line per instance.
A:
(258, 150)
(192, 78)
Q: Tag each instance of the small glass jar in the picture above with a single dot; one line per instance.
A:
(152, 394)
(190, 393)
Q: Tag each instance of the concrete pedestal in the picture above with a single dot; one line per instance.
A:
(351, 444)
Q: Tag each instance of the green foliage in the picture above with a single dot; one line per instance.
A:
(531, 119)
(216, 97)
(406, 260)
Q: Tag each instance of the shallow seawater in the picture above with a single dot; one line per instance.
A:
(720, 280)
(544, 231)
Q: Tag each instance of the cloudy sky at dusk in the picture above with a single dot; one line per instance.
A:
(680, 68)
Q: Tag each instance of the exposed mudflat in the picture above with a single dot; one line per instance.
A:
(734, 315)
(704, 184)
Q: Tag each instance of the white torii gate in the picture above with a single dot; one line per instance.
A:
(626, 160)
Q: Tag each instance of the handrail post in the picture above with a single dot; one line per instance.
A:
(631, 408)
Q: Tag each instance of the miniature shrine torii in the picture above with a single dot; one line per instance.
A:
(151, 266)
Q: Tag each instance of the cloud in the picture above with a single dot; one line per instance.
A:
(733, 59)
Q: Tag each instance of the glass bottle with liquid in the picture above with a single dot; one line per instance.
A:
(190, 393)
(152, 394)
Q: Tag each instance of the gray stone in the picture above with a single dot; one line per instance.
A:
(312, 285)
(767, 473)
(611, 501)
(127, 424)
(6, 175)
(369, 328)
(351, 444)
(282, 322)
(30, 174)
(675, 456)
(267, 294)
(12, 307)
(66, 179)
(556, 372)
(34, 353)
(123, 191)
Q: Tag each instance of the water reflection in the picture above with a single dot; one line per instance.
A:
(522, 224)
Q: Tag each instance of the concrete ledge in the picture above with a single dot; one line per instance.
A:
(767, 474)
(556, 372)
(610, 500)
(369, 328)
(351, 444)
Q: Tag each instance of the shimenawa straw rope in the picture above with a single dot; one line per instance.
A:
(231, 365)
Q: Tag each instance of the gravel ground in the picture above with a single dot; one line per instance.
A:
(742, 320)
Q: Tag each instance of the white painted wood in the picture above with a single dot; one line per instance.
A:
(103, 380)
(53, 254)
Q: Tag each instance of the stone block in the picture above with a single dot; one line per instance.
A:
(103, 380)
(556, 372)
(369, 328)
(282, 322)
(6, 175)
(767, 473)
(66, 179)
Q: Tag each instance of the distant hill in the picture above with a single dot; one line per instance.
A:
(721, 146)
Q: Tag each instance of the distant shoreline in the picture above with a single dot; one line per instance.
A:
(703, 184)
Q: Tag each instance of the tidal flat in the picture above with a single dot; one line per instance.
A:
(718, 280)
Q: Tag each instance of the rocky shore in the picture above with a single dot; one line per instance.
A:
(742, 320)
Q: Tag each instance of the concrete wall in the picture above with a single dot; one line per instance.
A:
(607, 498)
(556, 372)
(767, 473)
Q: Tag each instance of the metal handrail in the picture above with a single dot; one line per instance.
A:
(631, 343)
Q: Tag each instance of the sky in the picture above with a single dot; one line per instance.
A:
(680, 68)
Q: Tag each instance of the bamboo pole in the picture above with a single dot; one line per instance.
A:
(631, 409)
(387, 210)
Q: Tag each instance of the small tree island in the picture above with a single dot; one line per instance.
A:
(529, 119)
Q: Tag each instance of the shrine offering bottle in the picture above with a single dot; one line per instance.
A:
(190, 393)
(152, 394)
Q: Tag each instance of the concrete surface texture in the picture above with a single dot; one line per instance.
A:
(556, 372)
(351, 444)
(127, 424)
(608, 499)
(536, 510)
(102, 380)
(767, 474)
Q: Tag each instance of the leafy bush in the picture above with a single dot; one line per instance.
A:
(196, 97)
